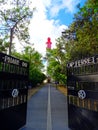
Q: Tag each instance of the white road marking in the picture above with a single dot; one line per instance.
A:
(49, 123)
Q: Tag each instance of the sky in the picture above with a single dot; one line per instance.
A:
(49, 20)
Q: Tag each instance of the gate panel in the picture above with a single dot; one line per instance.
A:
(13, 92)
(82, 82)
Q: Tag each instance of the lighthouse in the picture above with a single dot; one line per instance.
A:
(49, 43)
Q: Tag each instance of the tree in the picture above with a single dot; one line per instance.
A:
(14, 20)
(3, 46)
(78, 41)
(57, 60)
(85, 26)
(82, 35)
(35, 65)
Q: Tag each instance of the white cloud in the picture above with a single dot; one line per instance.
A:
(41, 28)
(67, 5)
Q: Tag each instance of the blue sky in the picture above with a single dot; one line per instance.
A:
(65, 16)
(49, 20)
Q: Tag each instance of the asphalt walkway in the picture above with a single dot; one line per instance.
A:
(47, 110)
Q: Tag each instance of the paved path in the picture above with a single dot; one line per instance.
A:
(47, 110)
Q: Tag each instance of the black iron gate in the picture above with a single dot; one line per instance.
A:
(82, 82)
(13, 92)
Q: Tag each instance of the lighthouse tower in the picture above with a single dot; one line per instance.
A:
(49, 43)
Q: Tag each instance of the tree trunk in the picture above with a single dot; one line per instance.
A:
(11, 37)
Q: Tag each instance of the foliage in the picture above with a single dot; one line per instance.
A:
(57, 61)
(82, 35)
(78, 41)
(3, 46)
(85, 26)
(14, 20)
(35, 65)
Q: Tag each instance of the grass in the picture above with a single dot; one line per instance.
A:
(34, 90)
(62, 89)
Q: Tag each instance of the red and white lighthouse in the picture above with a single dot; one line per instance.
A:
(49, 43)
